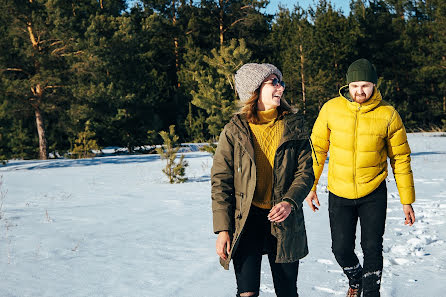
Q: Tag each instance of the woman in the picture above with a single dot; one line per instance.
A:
(262, 171)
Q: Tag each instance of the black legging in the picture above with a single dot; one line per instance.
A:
(257, 240)
(344, 214)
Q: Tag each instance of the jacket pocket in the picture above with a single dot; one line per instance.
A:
(289, 226)
(238, 209)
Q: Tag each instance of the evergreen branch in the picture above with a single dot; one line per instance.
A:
(52, 87)
(55, 42)
(60, 49)
(72, 54)
(237, 21)
(31, 35)
(15, 70)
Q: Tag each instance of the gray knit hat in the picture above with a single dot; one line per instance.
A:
(362, 70)
(250, 76)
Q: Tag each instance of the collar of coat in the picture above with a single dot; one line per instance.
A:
(294, 129)
(364, 107)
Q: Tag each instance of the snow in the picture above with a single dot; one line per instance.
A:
(113, 226)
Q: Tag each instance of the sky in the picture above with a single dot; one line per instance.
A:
(274, 4)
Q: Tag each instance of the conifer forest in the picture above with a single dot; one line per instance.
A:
(98, 73)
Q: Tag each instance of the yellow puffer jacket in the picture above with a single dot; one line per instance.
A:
(360, 137)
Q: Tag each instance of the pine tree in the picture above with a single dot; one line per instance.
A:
(85, 144)
(3, 154)
(127, 81)
(193, 64)
(210, 148)
(382, 33)
(426, 36)
(290, 35)
(40, 41)
(327, 50)
(216, 92)
(175, 171)
(20, 143)
(195, 125)
(333, 43)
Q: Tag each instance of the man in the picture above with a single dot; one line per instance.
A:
(361, 130)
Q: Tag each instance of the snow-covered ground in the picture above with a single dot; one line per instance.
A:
(113, 226)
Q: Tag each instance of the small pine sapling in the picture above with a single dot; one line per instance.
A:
(175, 171)
(210, 148)
(85, 144)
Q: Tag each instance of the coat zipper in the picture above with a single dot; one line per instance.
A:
(354, 151)
(281, 143)
(314, 151)
(273, 199)
(240, 210)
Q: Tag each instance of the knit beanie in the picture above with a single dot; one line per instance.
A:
(250, 76)
(361, 70)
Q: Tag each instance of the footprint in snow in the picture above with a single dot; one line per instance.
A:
(399, 261)
(325, 261)
(267, 288)
(328, 290)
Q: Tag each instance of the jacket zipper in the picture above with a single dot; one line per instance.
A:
(273, 199)
(354, 151)
(314, 151)
(240, 211)
(281, 143)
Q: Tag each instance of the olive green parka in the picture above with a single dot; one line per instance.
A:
(233, 179)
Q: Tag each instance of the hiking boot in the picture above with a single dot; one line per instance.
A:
(354, 292)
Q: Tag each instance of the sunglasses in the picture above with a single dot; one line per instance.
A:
(276, 82)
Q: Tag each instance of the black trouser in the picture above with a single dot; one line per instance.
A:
(255, 241)
(344, 214)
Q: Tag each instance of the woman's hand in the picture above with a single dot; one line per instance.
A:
(223, 244)
(312, 196)
(279, 212)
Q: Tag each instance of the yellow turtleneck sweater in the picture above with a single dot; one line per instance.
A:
(266, 135)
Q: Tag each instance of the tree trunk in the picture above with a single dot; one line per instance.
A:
(43, 146)
(302, 74)
(37, 91)
(175, 42)
(220, 21)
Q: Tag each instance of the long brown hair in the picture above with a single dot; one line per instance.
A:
(249, 108)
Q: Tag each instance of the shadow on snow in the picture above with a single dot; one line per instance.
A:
(60, 163)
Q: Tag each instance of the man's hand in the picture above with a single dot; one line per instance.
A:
(312, 196)
(223, 244)
(279, 212)
(409, 213)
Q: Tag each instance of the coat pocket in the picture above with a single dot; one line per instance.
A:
(289, 226)
(238, 214)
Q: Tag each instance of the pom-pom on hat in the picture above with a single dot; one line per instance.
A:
(250, 76)
(362, 70)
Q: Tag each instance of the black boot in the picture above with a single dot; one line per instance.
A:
(354, 275)
(255, 295)
(371, 282)
(353, 292)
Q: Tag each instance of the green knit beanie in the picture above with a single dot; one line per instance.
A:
(362, 70)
